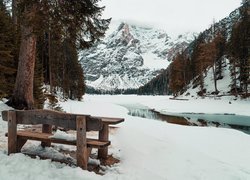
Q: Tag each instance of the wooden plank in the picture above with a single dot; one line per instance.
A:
(38, 136)
(60, 119)
(12, 132)
(46, 128)
(111, 120)
(95, 143)
(81, 143)
(93, 123)
(103, 136)
(46, 137)
(47, 117)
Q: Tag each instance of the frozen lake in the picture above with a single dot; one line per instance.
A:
(238, 122)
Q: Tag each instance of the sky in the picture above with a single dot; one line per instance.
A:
(174, 16)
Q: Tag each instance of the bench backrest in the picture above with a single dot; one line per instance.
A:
(60, 119)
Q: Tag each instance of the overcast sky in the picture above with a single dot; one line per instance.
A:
(175, 16)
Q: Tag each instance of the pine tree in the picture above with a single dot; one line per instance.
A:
(245, 2)
(79, 20)
(177, 75)
(239, 49)
(80, 91)
(211, 56)
(7, 66)
(201, 66)
(53, 103)
(73, 72)
(220, 42)
(38, 90)
(159, 85)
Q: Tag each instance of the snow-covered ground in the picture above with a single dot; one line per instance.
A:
(149, 149)
(223, 85)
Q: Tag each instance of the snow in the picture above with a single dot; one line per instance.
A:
(223, 85)
(151, 61)
(63, 135)
(149, 149)
(208, 106)
(21, 167)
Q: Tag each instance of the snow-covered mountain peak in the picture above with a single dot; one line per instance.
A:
(123, 34)
(129, 57)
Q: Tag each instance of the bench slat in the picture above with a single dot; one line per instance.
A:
(46, 137)
(110, 120)
(60, 119)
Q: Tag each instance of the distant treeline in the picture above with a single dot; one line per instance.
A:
(91, 90)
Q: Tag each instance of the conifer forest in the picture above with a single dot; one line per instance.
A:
(40, 41)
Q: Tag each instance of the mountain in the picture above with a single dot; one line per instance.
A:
(129, 56)
(215, 63)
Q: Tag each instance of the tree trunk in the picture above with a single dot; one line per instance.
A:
(50, 64)
(215, 78)
(235, 78)
(14, 15)
(23, 92)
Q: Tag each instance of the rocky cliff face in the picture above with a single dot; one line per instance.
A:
(129, 57)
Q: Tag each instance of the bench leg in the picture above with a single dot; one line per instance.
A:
(81, 143)
(89, 152)
(103, 136)
(46, 129)
(20, 143)
(12, 132)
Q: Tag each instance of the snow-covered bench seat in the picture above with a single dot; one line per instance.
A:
(80, 123)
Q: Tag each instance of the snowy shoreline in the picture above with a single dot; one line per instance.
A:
(222, 116)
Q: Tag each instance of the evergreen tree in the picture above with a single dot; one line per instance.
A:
(159, 85)
(7, 65)
(53, 103)
(239, 49)
(245, 2)
(80, 91)
(200, 63)
(80, 21)
(220, 43)
(38, 90)
(73, 72)
(177, 75)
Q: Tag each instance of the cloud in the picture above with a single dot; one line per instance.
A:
(175, 16)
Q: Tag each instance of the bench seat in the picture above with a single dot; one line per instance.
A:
(47, 137)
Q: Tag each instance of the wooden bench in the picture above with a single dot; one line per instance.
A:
(80, 123)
